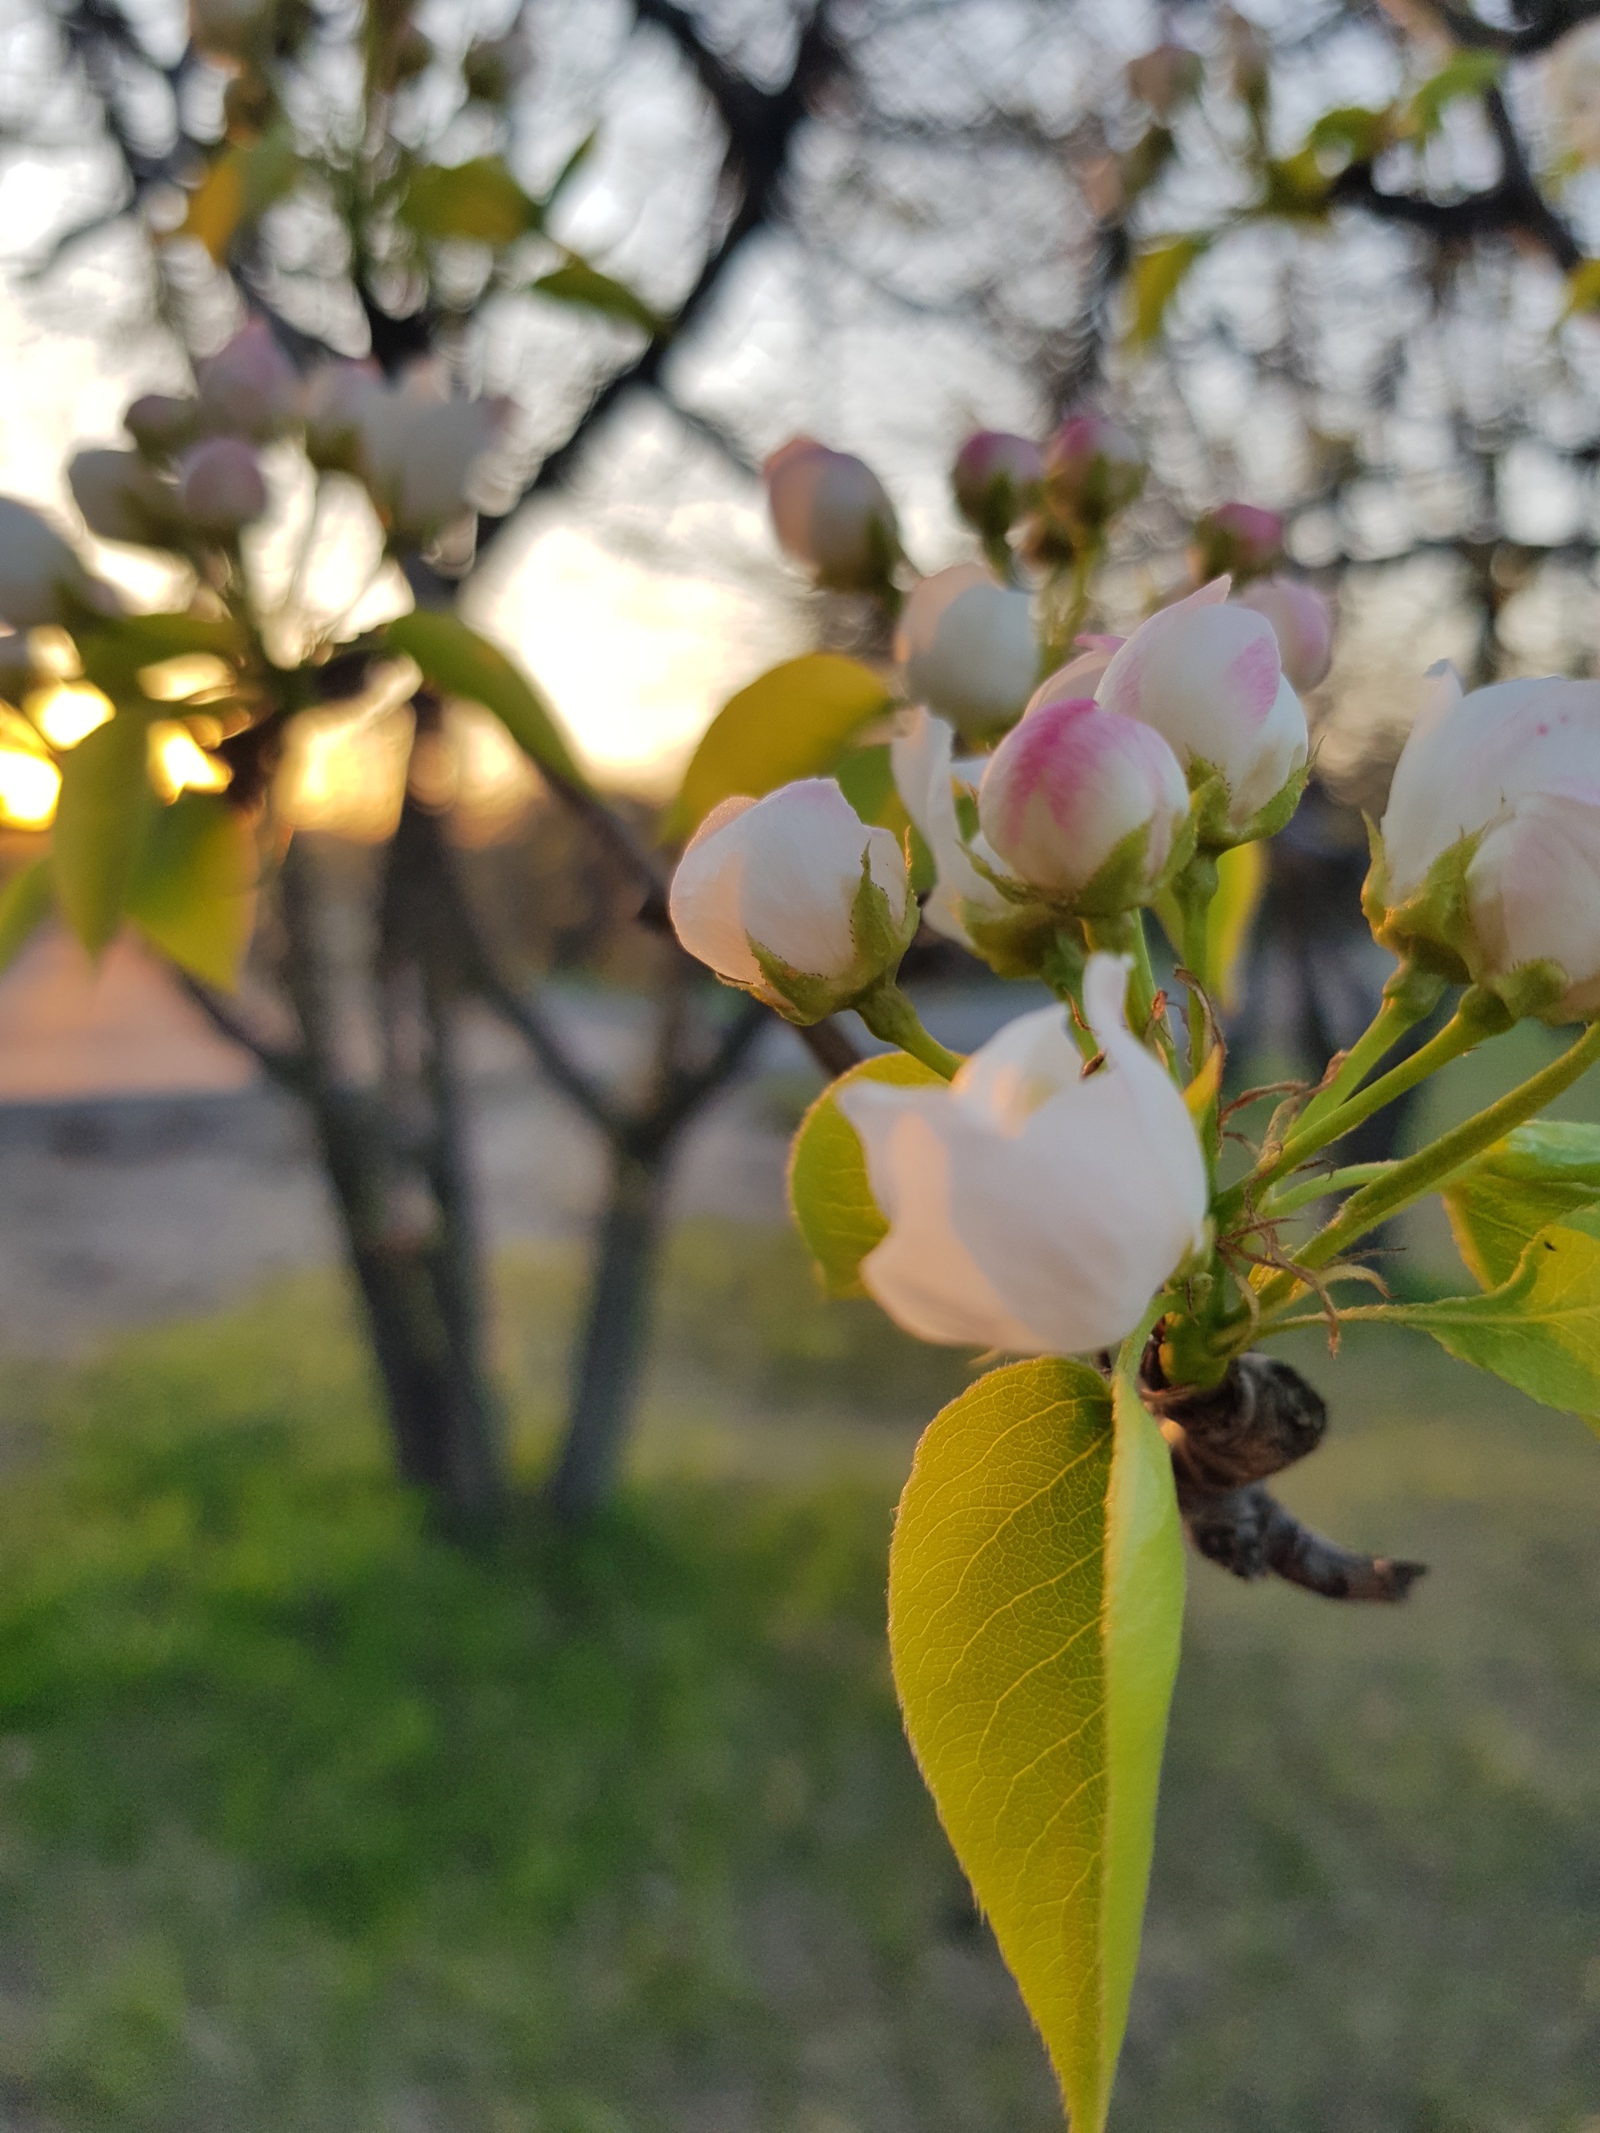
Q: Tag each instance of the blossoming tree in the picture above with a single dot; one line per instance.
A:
(1070, 1196)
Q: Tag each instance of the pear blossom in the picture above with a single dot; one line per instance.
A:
(41, 579)
(794, 898)
(249, 388)
(1242, 539)
(1206, 673)
(1077, 798)
(1030, 1208)
(967, 646)
(415, 449)
(1092, 470)
(1489, 849)
(1302, 622)
(995, 478)
(926, 773)
(831, 513)
(220, 485)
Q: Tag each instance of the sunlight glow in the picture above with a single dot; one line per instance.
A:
(179, 764)
(29, 784)
(68, 712)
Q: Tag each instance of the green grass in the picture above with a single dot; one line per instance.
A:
(309, 1822)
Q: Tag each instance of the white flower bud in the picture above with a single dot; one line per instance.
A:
(220, 487)
(41, 579)
(1029, 1208)
(922, 758)
(1207, 675)
(831, 513)
(122, 498)
(249, 388)
(1084, 806)
(968, 648)
(794, 898)
(1489, 850)
(1302, 622)
(414, 448)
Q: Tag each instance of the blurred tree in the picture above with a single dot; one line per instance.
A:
(1335, 258)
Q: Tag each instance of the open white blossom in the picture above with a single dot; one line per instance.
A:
(1030, 1208)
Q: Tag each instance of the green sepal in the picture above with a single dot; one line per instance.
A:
(802, 997)
(1213, 798)
(1433, 929)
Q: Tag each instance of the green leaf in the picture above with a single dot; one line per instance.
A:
(238, 188)
(479, 201)
(1352, 133)
(1468, 73)
(1296, 187)
(1539, 1174)
(793, 722)
(102, 818)
(571, 167)
(1583, 287)
(459, 662)
(1035, 1605)
(1540, 1330)
(866, 778)
(586, 288)
(25, 903)
(832, 1202)
(115, 652)
(1156, 279)
(193, 894)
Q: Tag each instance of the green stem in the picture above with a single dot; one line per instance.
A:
(1058, 648)
(1480, 1015)
(1431, 1167)
(1318, 1188)
(1194, 889)
(1409, 995)
(890, 1015)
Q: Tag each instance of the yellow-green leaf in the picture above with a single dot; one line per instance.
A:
(1540, 1330)
(479, 201)
(457, 661)
(587, 289)
(193, 894)
(1467, 73)
(1156, 277)
(828, 1191)
(26, 902)
(1035, 1605)
(1540, 1173)
(238, 188)
(1583, 287)
(795, 721)
(102, 818)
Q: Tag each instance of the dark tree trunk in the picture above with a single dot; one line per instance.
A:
(611, 1360)
(395, 1162)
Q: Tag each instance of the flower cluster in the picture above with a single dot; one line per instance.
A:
(194, 479)
(1039, 1196)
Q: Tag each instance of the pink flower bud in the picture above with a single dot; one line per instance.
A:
(1166, 77)
(1072, 784)
(1092, 470)
(250, 388)
(967, 646)
(160, 423)
(122, 498)
(1240, 539)
(1030, 1209)
(1207, 675)
(220, 487)
(996, 478)
(1500, 789)
(1302, 622)
(793, 887)
(831, 513)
